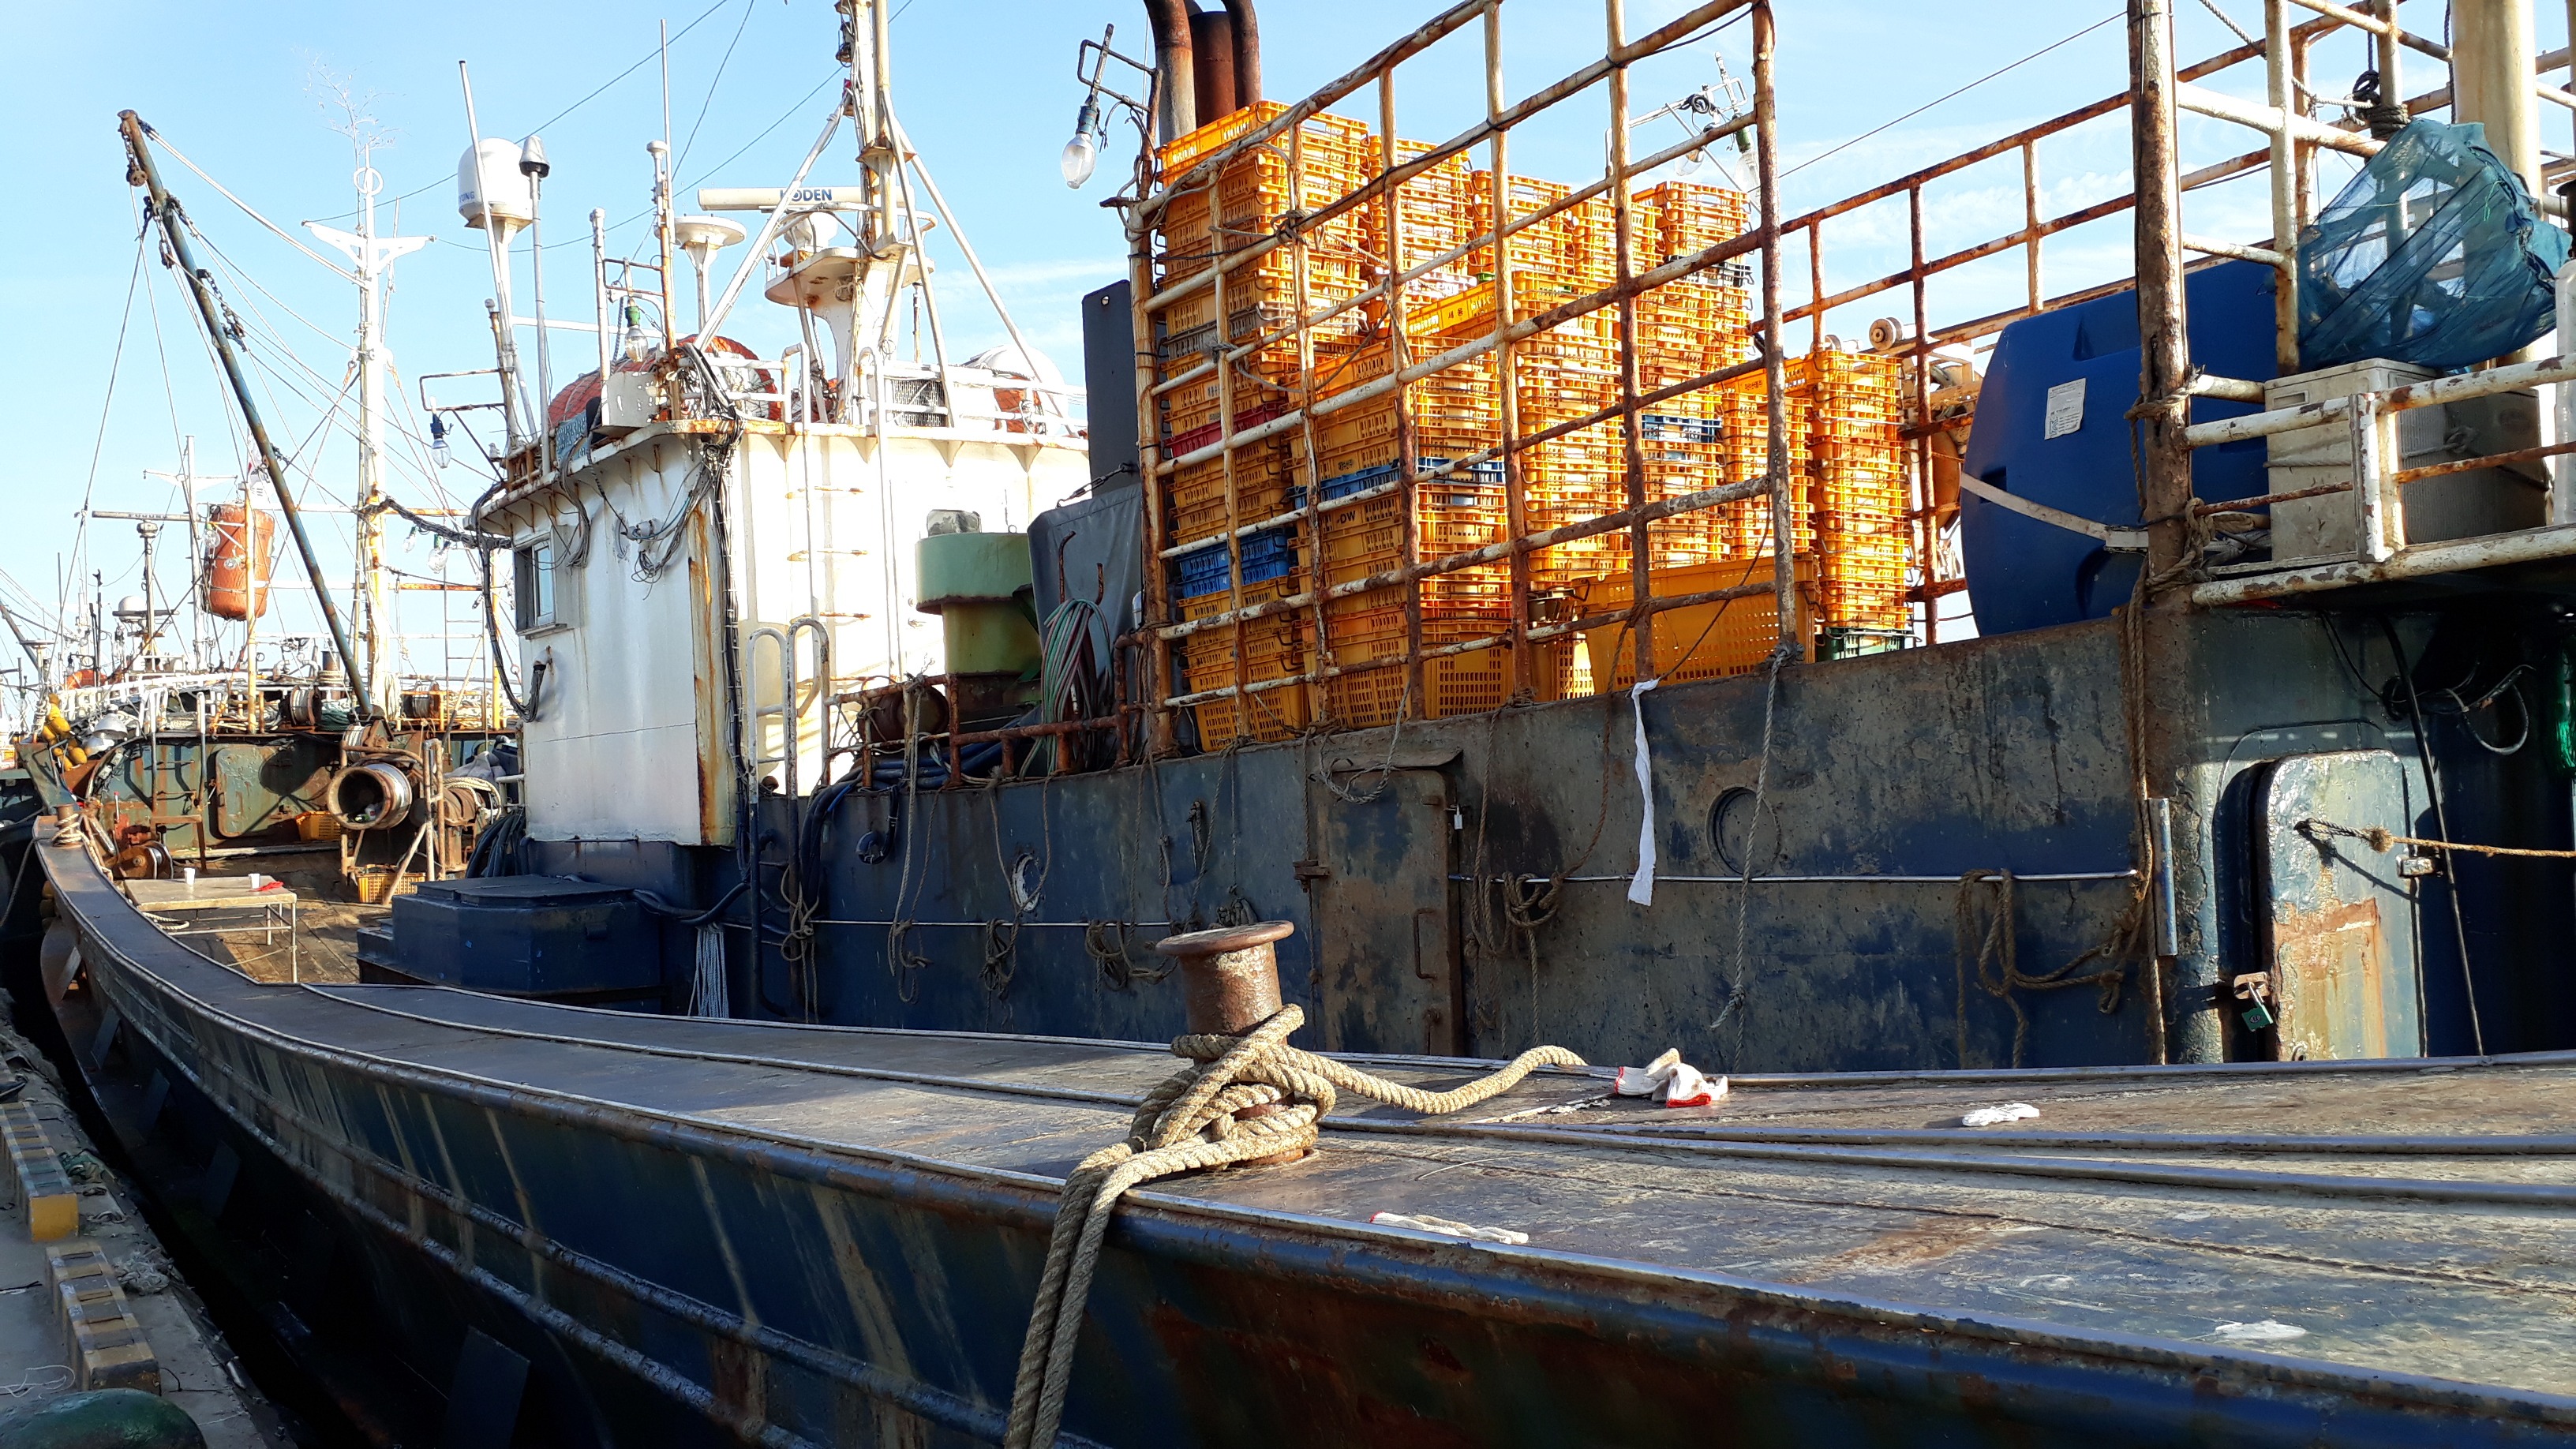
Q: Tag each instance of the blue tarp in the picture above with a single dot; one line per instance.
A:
(2433, 255)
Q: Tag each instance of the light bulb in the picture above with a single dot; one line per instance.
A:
(1078, 159)
(438, 440)
(1081, 153)
(639, 347)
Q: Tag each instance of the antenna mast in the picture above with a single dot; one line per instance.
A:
(166, 211)
(373, 257)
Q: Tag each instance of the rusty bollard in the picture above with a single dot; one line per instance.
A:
(1229, 985)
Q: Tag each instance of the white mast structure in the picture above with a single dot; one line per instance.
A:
(373, 256)
(201, 638)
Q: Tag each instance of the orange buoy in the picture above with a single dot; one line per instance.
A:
(237, 560)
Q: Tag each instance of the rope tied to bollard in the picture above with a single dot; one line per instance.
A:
(1203, 1116)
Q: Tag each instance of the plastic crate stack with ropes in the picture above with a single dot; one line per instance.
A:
(1864, 545)
(1225, 210)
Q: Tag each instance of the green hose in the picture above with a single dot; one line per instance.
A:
(2558, 704)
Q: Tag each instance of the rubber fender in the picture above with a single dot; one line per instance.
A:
(106, 1419)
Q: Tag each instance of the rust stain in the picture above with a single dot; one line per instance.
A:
(1897, 1249)
(2330, 975)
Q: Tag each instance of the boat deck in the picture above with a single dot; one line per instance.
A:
(2397, 1227)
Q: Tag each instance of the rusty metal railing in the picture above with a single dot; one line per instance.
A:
(2288, 159)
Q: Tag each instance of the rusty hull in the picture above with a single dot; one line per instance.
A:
(702, 1232)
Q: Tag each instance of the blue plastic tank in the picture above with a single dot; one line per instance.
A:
(2025, 574)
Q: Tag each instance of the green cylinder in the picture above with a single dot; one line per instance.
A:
(106, 1419)
(979, 585)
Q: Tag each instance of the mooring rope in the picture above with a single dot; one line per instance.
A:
(1196, 1120)
(2380, 840)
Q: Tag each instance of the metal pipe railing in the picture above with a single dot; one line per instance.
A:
(2291, 139)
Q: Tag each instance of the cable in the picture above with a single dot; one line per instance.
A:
(1953, 95)
(115, 365)
(649, 57)
(2441, 827)
(712, 83)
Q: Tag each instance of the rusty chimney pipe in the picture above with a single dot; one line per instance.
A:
(1175, 74)
(1212, 52)
(1247, 51)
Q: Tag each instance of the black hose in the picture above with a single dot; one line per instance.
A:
(527, 711)
(2441, 827)
(681, 915)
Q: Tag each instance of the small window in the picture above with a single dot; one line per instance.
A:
(533, 581)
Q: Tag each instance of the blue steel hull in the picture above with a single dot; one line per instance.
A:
(678, 1267)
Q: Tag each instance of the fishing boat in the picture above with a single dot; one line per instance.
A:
(2138, 1023)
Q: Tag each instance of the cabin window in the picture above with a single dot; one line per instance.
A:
(534, 583)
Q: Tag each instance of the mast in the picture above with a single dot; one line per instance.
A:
(373, 256)
(166, 211)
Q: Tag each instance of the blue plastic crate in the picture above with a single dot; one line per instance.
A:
(1677, 428)
(1266, 556)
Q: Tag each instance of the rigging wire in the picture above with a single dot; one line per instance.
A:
(247, 209)
(678, 185)
(649, 57)
(716, 80)
(1953, 95)
(116, 365)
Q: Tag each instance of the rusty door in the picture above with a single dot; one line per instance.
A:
(2339, 916)
(1386, 966)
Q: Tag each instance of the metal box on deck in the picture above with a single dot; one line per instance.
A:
(528, 935)
(2454, 505)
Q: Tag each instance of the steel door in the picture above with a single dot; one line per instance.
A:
(1387, 971)
(2339, 918)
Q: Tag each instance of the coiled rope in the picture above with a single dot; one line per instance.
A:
(1196, 1120)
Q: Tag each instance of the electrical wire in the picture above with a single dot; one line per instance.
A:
(2441, 827)
(1954, 95)
(649, 57)
(712, 83)
(107, 405)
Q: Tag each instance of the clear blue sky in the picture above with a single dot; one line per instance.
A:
(986, 89)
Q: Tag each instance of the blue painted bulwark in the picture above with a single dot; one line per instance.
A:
(707, 1232)
(2025, 574)
(527, 935)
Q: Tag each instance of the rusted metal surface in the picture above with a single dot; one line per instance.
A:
(1229, 975)
(2342, 973)
(822, 1236)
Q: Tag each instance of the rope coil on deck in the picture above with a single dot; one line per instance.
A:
(1193, 1121)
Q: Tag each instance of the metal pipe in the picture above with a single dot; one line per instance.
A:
(1190, 285)
(599, 285)
(201, 290)
(2165, 358)
(1175, 71)
(1212, 61)
(1506, 364)
(1247, 52)
(1766, 138)
(1632, 447)
(2491, 80)
(2284, 178)
(514, 402)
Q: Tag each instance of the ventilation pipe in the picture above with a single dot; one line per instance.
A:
(1212, 52)
(2491, 70)
(1175, 74)
(1247, 50)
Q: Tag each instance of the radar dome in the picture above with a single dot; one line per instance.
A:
(489, 176)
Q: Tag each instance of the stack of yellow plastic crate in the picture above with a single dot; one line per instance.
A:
(1215, 211)
(1858, 465)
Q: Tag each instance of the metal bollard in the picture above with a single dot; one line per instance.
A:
(1229, 985)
